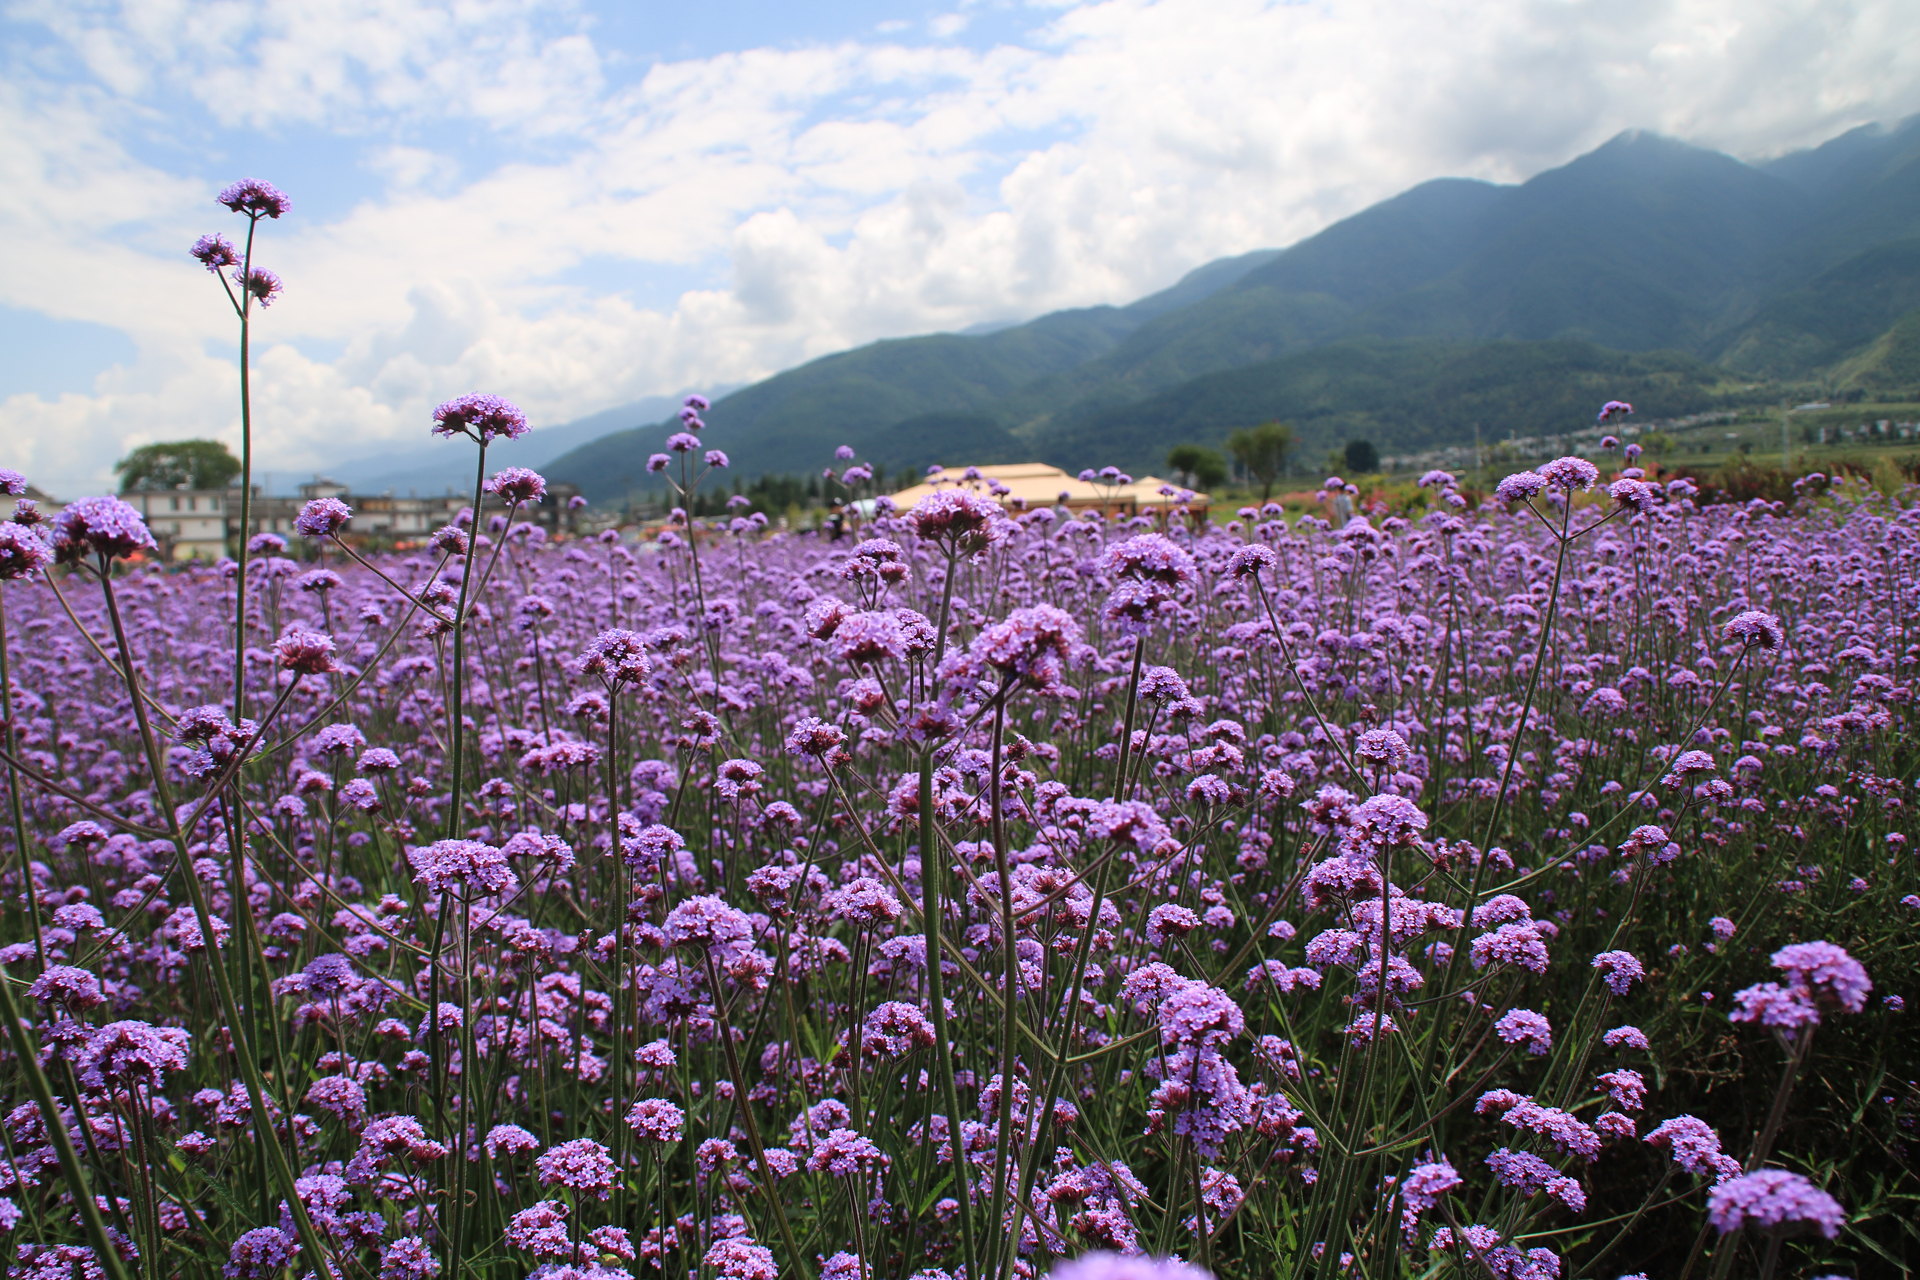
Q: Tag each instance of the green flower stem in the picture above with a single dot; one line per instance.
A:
(269, 1141)
(13, 792)
(70, 1169)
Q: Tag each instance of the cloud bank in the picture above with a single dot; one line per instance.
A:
(498, 195)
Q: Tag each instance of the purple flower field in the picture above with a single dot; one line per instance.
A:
(1517, 891)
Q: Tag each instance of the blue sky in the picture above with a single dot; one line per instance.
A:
(579, 204)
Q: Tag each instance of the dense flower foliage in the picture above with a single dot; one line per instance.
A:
(991, 889)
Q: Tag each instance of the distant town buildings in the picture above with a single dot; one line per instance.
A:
(189, 524)
(1882, 429)
(204, 524)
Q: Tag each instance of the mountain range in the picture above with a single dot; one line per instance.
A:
(1648, 269)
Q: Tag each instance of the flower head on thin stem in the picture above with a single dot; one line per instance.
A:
(479, 417)
(255, 198)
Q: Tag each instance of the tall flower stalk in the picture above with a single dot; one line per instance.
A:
(253, 200)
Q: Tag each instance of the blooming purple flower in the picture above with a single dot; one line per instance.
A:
(1627, 1089)
(541, 1229)
(617, 657)
(1426, 1183)
(1518, 944)
(1632, 493)
(1835, 979)
(895, 1028)
(1755, 629)
(1250, 561)
(1383, 749)
(656, 1120)
(1524, 1026)
(98, 526)
(64, 984)
(871, 637)
(843, 1152)
(509, 1140)
(1198, 1014)
(706, 921)
(1614, 409)
(23, 552)
(215, 252)
(1619, 970)
(321, 517)
(1560, 1128)
(262, 285)
(1519, 487)
(1521, 1169)
(377, 760)
(739, 1258)
(865, 901)
(812, 736)
(132, 1053)
(328, 975)
(517, 485)
(1170, 920)
(451, 865)
(959, 519)
(408, 1258)
(260, 1254)
(305, 652)
(1773, 1200)
(647, 849)
(1034, 642)
(479, 417)
(253, 197)
(1772, 1005)
(1695, 1146)
(1151, 557)
(1570, 474)
(582, 1165)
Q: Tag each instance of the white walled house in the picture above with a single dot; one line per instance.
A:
(187, 523)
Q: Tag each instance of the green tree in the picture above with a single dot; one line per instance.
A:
(178, 464)
(1262, 450)
(1203, 467)
(1362, 458)
(1657, 443)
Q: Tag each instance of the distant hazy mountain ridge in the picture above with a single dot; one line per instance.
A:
(1632, 271)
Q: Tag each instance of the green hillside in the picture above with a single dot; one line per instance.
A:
(1643, 244)
(1401, 395)
(1301, 298)
(1891, 363)
(793, 422)
(1836, 315)
(1453, 303)
(1866, 191)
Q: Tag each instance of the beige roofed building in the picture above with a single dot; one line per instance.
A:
(1032, 485)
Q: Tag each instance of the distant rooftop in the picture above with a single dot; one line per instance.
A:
(1035, 484)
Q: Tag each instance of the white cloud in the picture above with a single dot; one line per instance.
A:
(844, 191)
